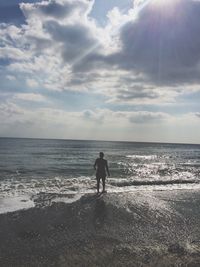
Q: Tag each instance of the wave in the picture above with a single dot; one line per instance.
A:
(53, 185)
(126, 183)
(145, 157)
(83, 184)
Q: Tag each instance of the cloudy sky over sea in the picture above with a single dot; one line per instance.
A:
(114, 69)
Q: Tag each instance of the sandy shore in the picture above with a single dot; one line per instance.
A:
(147, 228)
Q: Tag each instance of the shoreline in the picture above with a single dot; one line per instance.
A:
(153, 228)
(25, 201)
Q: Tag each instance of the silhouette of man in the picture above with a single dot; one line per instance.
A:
(101, 167)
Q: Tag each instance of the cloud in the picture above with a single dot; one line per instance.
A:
(12, 53)
(30, 97)
(51, 9)
(75, 39)
(162, 43)
(136, 117)
(58, 9)
(145, 59)
(148, 117)
(12, 112)
(197, 114)
(11, 77)
(32, 83)
(93, 116)
(59, 46)
(9, 110)
(135, 93)
(96, 124)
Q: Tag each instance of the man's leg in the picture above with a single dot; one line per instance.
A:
(98, 183)
(104, 183)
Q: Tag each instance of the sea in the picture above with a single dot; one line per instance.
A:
(29, 167)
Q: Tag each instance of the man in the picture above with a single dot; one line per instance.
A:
(101, 167)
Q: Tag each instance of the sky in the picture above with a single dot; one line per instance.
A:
(101, 70)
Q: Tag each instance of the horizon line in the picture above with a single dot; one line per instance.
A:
(99, 140)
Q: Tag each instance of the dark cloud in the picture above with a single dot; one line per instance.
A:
(197, 115)
(136, 93)
(91, 60)
(148, 117)
(163, 43)
(38, 43)
(75, 39)
(56, 10)
(94, 116)
(81, 79)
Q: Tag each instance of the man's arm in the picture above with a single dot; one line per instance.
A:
(107, 168)
(95, 164)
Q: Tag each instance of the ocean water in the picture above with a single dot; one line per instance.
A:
(33, 166)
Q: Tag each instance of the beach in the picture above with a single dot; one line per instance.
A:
(139, 228)
(50, 214)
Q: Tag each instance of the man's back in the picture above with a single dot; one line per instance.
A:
(101, 165)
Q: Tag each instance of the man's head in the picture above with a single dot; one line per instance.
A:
(101, 155)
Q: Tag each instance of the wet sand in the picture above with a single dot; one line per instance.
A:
(141, 228)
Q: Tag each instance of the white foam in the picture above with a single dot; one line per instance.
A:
(88, 184)
(12, 187)
(16, 194)
(10, 204)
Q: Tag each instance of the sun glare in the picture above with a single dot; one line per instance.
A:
(165, 5)
(139, 4)
(161, 2)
